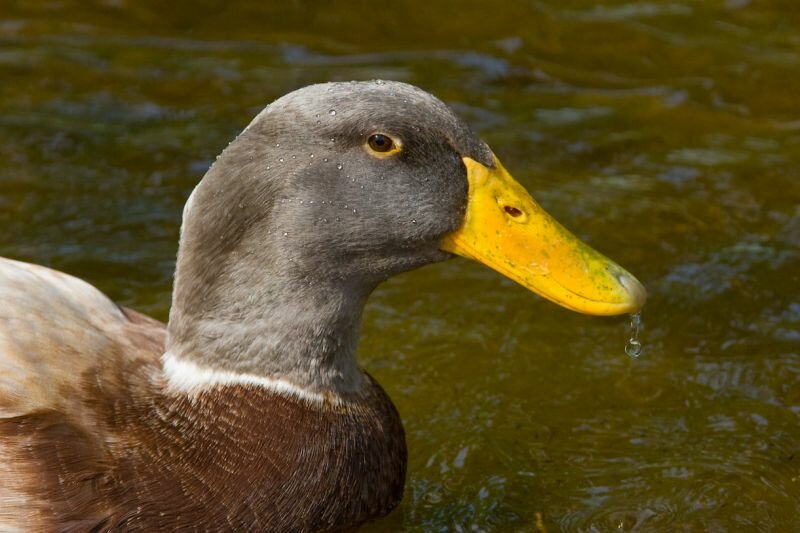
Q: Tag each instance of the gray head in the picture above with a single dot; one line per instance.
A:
(303, 215)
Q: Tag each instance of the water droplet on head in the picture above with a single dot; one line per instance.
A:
(332, 112)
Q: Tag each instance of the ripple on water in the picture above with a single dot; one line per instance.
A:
(666, 134)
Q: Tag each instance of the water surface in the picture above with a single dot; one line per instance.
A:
(664, 133)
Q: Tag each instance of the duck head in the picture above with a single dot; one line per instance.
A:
(329, 191)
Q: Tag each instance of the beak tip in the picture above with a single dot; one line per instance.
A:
(636, 291)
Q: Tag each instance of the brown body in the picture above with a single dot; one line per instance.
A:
(111, 449)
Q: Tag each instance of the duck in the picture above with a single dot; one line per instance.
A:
(248, 410)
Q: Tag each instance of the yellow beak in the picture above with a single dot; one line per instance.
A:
(505, 229)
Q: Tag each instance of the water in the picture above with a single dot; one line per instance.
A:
(634, 346)
(664, 133)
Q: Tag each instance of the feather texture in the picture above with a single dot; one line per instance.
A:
(91, 438)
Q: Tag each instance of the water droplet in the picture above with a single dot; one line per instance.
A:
(285, 233)
(340, 166)
(268, 167)
(280, 159)
(634, 347)
(354, 211)
(332, 112)
(413, 220)
(294, 157)
(277, 145)
(338, 219)
(333, 139)
(325, 159)
(312, 156)
(380, 82)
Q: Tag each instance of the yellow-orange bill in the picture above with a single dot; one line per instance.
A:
(505, 229)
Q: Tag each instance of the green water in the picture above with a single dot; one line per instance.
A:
(664, 133)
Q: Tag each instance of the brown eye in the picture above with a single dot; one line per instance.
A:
(380, 143)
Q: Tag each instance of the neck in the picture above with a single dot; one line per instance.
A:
(272, 327)
(248, 301)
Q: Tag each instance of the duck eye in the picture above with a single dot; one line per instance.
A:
(380, 143)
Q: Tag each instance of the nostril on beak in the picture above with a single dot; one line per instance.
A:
(512, 211)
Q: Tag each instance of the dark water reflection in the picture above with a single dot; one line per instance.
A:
(667, 134)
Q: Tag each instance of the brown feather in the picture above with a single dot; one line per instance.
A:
(108, 448)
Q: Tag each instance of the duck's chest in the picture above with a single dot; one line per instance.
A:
(253, 460)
